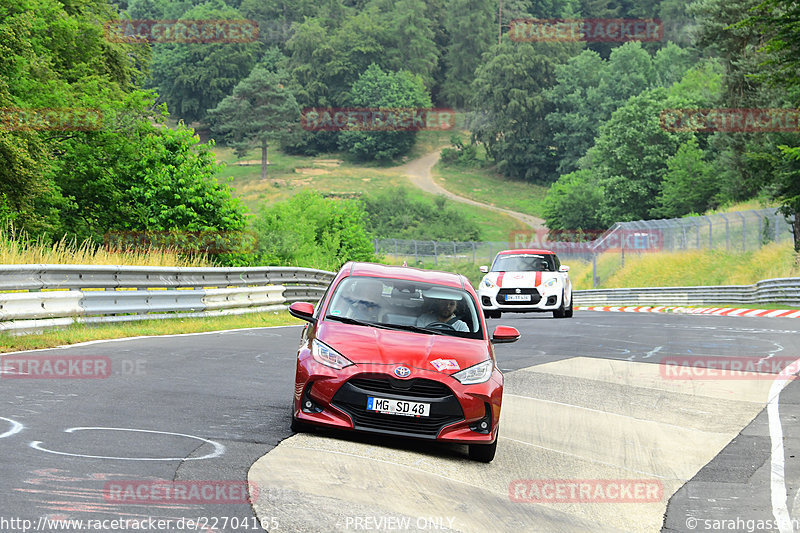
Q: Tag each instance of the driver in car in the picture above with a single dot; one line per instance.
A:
(443, 312)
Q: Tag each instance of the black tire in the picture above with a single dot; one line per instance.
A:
(296, 426)
(492, 314)
(560, 312)
(483, 453)
(568, 310)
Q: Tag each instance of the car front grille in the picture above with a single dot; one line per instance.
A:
(535, 296)
(445, 408)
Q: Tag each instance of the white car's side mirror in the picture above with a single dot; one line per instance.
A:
(564, 268)
(484, 269)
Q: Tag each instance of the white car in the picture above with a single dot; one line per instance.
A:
(522, 281)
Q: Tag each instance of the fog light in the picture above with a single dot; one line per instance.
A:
(483, 425)
(309, 405)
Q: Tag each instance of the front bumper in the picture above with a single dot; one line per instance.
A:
(494, 299)
(339, 397)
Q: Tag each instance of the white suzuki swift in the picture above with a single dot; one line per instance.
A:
(523, 281)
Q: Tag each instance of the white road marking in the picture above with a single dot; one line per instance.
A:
(777, 478)
(16, 427)
(652, 352)
(219, 449)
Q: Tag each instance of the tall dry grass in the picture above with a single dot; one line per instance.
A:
(18, 248)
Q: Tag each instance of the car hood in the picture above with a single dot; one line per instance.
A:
(521, 279)
(364, 345)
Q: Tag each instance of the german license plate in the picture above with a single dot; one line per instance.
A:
(398, 407)
(518, 297)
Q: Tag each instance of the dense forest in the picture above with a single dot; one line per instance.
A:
(586, 117)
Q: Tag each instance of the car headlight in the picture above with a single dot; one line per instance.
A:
(552, 282)
(324, 354)
(488, 283)
(475, 374)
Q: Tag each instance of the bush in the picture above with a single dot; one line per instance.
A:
(395, 215)
(314, 232)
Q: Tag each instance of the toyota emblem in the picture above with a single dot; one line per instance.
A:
(402, 371)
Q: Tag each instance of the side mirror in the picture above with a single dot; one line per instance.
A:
(303, 311)
(564, 268)
(485, 269)
(503, 334)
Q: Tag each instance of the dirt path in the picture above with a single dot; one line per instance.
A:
(419, 173)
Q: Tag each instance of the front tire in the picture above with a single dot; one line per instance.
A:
(296, 426)
(560, 312)
(568, 310)
(483, 453)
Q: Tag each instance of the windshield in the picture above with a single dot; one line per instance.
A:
(401, 304)
(524, 263)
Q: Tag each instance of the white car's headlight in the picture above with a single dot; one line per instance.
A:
(488, 283)
(324, 354)
(552, 282)
(475, 374)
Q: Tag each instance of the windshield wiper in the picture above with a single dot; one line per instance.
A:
(382, 325)
(348, 320)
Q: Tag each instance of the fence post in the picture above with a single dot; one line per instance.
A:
(435, 254)
(473, 252)
(416, 255)
(455, 253)
(744, 227)
(727, 231)
(594, 270)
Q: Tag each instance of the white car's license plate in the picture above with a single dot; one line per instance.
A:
(518, 297)
(398, 407)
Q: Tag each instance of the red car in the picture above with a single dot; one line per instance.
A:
(400, 351)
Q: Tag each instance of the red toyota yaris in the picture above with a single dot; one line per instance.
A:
(400, 351)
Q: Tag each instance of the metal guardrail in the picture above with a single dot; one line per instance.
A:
(783, 291)
(58, 295)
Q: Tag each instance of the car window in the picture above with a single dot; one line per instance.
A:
(525, 263)
(406, 305)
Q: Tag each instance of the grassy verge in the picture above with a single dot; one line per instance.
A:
(688, 269)
(17, 249)
(485, 186)
(82, 332)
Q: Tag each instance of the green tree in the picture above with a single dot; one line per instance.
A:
(413, 49)
(470, 26)
(630, 156)
(509, 95)
(573, 203)
(376, 88)
(260, 110)
(689, 184)
(194, 77)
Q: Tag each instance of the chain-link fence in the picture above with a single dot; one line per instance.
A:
(736, 231)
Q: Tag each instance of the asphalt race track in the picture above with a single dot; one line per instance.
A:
(586, 405)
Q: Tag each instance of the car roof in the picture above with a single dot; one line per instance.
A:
(526, 251)
(407, 273)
